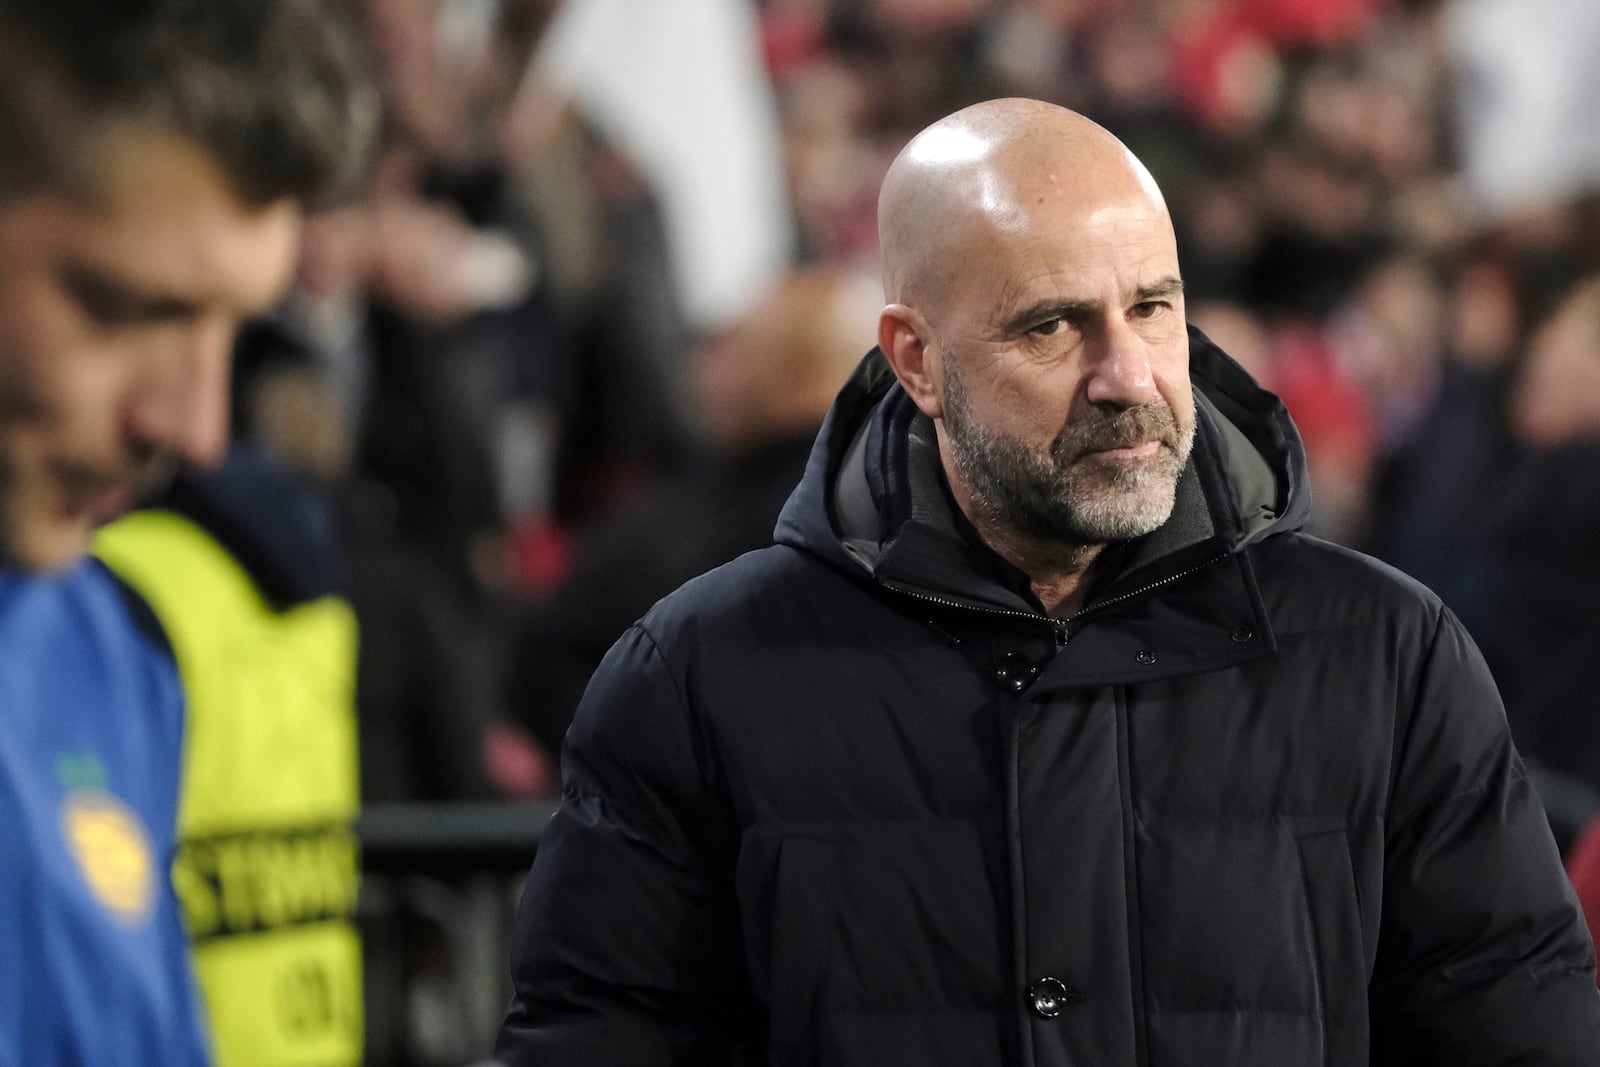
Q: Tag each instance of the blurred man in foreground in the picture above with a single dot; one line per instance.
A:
(154, 160)
(1044, 735)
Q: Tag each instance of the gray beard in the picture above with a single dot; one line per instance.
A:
(1058, 495)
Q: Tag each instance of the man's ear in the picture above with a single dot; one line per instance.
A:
(907, 343)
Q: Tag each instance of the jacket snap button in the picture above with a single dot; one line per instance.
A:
(1017, 685)
(1048, 996)
(1146, 656)
(1242, 634)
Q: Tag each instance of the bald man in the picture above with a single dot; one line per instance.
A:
(1042, 735)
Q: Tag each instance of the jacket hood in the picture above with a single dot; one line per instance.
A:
(873, 501)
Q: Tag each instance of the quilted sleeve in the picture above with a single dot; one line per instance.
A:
(625, 945)
(1483, 957)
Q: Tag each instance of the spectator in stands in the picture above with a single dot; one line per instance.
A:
(762, 390)
(1537, 620)
(420, 686)
(154, 160)
(1428, 499)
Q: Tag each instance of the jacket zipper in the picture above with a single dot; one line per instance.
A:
(1058, 625)
(1100, 605)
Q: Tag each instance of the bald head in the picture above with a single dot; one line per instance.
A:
(989, 168)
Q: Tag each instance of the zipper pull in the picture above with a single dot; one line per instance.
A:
(1063, 631)
(944, 635)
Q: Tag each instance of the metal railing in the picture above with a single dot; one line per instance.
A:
(451, 839)
(440, 883)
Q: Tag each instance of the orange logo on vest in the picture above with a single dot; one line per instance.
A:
(113, 851)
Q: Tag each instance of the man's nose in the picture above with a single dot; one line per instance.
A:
(1120, 374)
(180, 405)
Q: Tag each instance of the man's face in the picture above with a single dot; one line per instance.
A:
(1556, 399)
(117, 317)
(1087, 486)
(1067, 411)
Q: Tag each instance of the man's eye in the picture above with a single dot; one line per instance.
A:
(1148, 308)
(1047, 327)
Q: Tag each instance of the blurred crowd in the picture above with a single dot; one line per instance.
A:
(543, 381)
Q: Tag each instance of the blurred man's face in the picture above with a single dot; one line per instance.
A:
(1556, 400)
(117, 318)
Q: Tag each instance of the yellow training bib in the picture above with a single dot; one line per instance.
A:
(267, 866)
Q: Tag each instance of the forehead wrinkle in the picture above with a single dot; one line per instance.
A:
(1013, 292)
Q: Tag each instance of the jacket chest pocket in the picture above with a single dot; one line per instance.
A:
(1335, 928)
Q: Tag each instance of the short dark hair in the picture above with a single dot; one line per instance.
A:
(274, 90)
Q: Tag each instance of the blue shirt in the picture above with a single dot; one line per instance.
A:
(93, 959)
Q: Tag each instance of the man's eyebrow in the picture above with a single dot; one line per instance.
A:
(109, 297)
(1171, 285)
(1052, 308)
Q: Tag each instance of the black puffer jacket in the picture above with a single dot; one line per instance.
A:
(854, 800)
